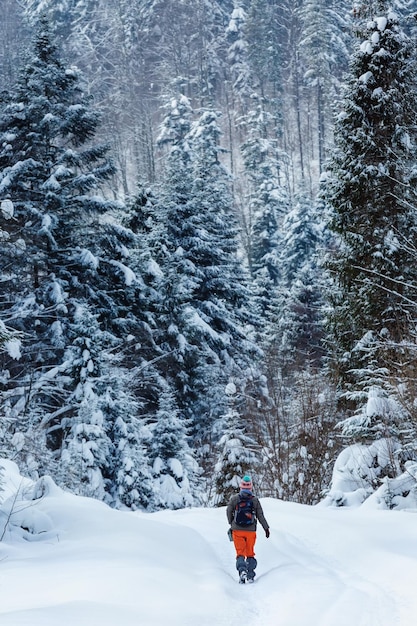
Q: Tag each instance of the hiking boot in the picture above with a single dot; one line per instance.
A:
(251, 564)
(243, 577)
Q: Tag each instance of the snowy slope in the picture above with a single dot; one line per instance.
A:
(81, 563)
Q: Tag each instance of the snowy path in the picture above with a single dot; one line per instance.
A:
(297, 584)
(92, 566)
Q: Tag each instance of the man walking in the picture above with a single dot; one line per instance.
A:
(243, 512)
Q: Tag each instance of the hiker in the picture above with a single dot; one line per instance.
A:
(243, 511)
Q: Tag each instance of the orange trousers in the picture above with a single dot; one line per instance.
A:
(244, 541)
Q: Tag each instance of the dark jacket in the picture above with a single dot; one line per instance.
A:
(259, 514)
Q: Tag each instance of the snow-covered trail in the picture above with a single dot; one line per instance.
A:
(317, 568)
(85, 564)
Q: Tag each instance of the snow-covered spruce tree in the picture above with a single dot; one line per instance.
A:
(235, 456)
(129, 476)
(103, 453)
(222, 298)
(369, 188)
(259, 30)
(266, 34)
(296, 324)
(202, 312)
(143, 355)
(86, 452)
(256, 37)
(237, 51)
(302, 235)
(267, 200)
(300, 326)
(57, 257)
(173, 464)
(49, 172)
(86, 447)
(171, 241)
(324, 52)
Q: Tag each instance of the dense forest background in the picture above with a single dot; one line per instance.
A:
(208, 246)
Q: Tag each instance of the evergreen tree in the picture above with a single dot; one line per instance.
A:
(172, 459)
(268, 197)
(236, 456)
(50, 173)
(202, 313)
(222, 299)
(294, 307)
(301, 321)
(130, 475)
(174, 233)
(324, 51)
(237, 51)
(86, 447)
(299, 330)
(86, 452)
(370, 191)
(302, 237)
(58, 258)
(267, 36)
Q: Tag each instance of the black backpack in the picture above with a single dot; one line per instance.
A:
(244, 513)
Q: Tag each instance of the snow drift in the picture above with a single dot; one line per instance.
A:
(70, 560)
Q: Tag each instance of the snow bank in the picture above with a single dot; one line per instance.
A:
(361, 477)
(94, 566)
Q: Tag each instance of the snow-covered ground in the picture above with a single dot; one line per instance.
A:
(80, 563)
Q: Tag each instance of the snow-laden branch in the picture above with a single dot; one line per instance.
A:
(393, 280)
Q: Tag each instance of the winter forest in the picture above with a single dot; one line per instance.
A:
(208, 224)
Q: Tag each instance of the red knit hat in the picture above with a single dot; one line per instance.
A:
(246, 483)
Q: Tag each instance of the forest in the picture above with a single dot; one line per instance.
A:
(208, 262)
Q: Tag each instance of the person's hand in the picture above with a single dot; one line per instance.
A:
(267, 533)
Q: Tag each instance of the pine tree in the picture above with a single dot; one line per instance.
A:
(236, 456)
(370, 191)
(266, 31)
(50, 173)
(173, 464)
(301, 235)
(129, 476)
(173, 238)
(81, 434)
(86, 452)
(324, 56)
(301, 322)
(202, 317)
(222, 297)
(267, 200)
(237, 51)
(58, 258)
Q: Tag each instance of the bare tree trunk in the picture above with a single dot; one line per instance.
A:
(298, 116)
(320, 125)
